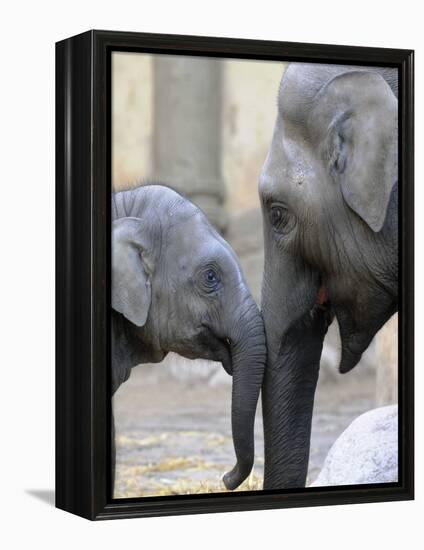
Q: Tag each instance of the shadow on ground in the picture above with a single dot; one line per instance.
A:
(45, 495)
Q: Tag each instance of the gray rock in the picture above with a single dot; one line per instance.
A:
(366, 452)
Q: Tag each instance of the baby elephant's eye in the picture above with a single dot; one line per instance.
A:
(211, 276)
(210, 280)
(282, 220)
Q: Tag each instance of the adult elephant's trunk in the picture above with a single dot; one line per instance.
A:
(295, 329)
(288, 398)
(248, 350)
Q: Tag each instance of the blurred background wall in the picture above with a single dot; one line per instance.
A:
(203, 126)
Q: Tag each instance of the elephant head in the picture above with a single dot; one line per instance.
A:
(177, 286)
(328, 190)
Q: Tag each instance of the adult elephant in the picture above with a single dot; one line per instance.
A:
(329, 201)
(177, 286)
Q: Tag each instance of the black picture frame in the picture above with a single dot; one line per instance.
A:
(83, 148)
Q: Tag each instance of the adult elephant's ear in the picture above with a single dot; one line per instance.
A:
(131, 290)
(362, 141)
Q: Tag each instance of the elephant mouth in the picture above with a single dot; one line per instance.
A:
(225, 356)
(323, 304)
(353, 344)
(322, 298)
(220, 349)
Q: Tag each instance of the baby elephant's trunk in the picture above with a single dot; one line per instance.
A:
(248, 362)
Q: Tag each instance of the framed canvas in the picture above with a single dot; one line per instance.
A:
(234, 225)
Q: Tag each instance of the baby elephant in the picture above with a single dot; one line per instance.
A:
(177, 286)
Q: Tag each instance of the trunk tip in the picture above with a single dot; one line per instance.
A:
(236, 476)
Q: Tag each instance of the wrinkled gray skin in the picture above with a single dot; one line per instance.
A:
(329, 200)
(177, 286)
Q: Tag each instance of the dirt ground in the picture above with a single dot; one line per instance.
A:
(174, 437)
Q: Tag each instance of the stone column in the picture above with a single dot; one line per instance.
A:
(187, 130)
(387, 366)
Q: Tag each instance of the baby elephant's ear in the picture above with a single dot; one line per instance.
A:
(131, 291)
(363, 142)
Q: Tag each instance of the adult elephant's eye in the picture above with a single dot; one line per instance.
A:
(277, 215)
(282, 220)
